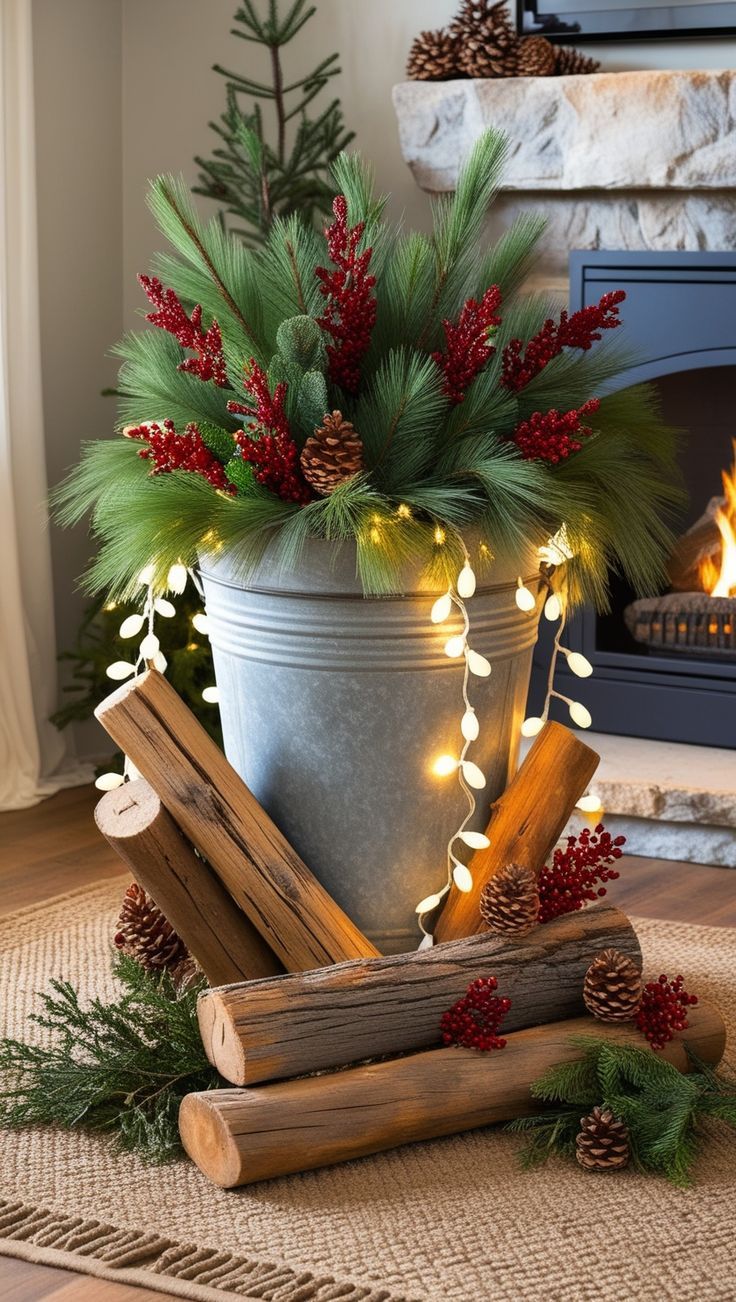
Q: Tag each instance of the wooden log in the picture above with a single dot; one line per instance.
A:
(292, 1025)
(237, 1137)
(225, 944)
(301, 923)
(526, 821)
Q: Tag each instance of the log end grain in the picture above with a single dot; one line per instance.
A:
(222, 1044)
(207, 1138)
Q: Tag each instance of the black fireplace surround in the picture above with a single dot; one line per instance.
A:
(679, 319)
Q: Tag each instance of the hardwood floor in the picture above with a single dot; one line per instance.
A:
(55, 847)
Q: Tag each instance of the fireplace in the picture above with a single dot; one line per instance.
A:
(665, 667)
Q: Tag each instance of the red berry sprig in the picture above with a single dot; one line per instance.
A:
(553, 436)
(474, 1021)
(268, 444)
(581, 330)
(350, 312)
(663, 1010)
(468, 343)
(168, 450)
(209, 364)
(575, 873)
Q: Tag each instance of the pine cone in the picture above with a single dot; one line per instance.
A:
(603, 1142)
(146, 935)
(509, 902)
(487, 40)
(433, 57)
(536, 57)
(333, 454)
(613, 987)
(571, 63)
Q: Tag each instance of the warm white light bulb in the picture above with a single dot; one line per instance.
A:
(211, 695)
(444, 765)
(109, 781)
(201, 623)
(164, 608)
(552, 608)
(466, 582)
(579, 715)
(455, 646)
(579, 664)
(131, 771)
(590, 804)
(441, 609)
(150, 646)
(476, 840)
(120, 670)
(160, 662)
(473, 775)
(177, 578)
(469, 726)
(478, 665)
(132, 626)
(463, 878)
(431, 902)
(532, 726)
(146, 575)
(525, 599)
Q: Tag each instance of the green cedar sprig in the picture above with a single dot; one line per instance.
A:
(662, 1107)
(121, 1068)
(256, 179)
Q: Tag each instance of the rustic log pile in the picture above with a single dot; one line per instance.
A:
(334, 1051)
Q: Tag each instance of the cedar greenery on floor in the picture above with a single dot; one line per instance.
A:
(484, 421)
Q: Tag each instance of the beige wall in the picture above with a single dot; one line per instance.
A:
(124, 90)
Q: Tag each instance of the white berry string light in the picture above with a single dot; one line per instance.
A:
(469, 775)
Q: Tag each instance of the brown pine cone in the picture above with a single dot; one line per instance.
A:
(433, 57)
(509, 902)
(333, 454)
(487, 39)
(603, 1142)
(146, 935)
(536, 57)
(613, 987)
(571, 63)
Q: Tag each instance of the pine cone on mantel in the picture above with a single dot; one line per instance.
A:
(433, 57)
(536, 57)
(487, 40)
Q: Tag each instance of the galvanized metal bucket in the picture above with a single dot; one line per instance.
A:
(335, 706)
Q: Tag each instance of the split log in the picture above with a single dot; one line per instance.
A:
(292, 1025)
(301, 923)
(526, 821)
(225, 944)
(702, 542)
(237, 1137)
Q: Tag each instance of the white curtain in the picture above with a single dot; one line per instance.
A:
(33, 760)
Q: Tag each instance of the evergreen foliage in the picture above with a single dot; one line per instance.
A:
(662, 1107)
(121, 1068)
(441, 473)
(256, 180)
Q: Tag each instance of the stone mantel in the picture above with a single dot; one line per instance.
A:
(626, 160)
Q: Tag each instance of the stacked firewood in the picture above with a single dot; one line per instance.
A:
(334, 1051)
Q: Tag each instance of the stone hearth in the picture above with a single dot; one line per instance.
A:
(627, 160)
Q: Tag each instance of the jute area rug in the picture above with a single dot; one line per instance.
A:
(451, 1220)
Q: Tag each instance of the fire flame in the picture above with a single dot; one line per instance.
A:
(722, 582)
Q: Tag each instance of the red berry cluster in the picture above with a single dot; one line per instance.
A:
(169, 451)
(268, 444)
(209, 364)
(573, 878)
(474, 1021)
(663, 1010)
(350, 313)
(553, 436)
(468, 345)
(581, 330)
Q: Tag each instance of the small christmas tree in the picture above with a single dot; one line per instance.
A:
(253, 180)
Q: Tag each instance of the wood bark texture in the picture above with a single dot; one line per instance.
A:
(237, 1137)
(295, 915)
(225, 944)
(526, 821)
(266, 1030)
